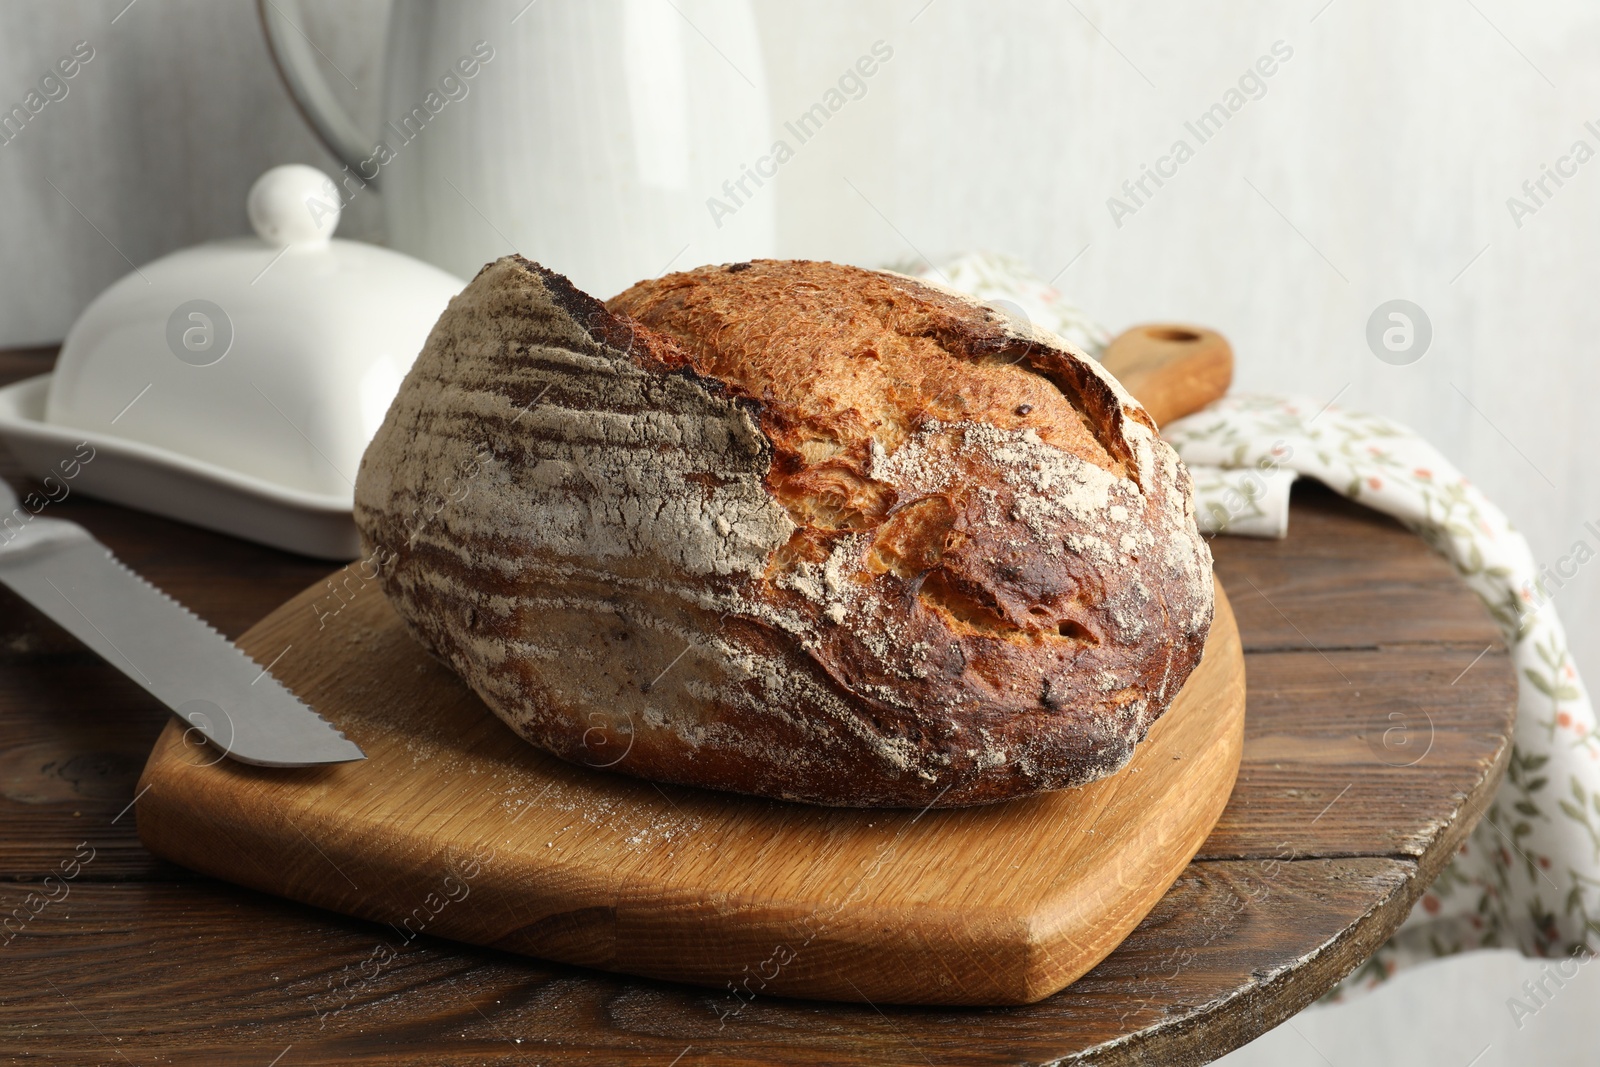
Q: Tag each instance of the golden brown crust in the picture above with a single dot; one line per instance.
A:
(803, 530)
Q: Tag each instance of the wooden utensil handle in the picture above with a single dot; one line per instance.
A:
(1173, 370)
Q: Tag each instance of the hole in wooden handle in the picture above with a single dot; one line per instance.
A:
(1170, 333)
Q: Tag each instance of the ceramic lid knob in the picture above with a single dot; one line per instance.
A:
(294, 205)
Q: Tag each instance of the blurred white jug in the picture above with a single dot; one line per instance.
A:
(592, 137)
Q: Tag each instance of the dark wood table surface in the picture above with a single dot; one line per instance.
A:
(1381, 700)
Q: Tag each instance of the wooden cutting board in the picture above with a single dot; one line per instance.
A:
(455, 827)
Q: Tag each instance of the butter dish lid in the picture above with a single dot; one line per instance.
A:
(274, 357)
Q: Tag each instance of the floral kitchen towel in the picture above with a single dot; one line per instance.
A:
(1528, 877)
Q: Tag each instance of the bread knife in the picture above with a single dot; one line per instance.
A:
(59, 568)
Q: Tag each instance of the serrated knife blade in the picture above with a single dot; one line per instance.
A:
(175, 656)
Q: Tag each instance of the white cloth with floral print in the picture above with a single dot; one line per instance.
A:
(1529, 875)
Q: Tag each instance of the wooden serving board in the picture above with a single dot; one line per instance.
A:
(455, 827)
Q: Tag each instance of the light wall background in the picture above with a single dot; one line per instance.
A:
(1376, 165)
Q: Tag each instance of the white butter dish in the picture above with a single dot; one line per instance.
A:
(236, 384)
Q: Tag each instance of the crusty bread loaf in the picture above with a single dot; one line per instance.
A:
(788, 528)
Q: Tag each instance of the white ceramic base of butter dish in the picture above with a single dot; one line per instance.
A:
(177, 486)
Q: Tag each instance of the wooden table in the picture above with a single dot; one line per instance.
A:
(1381, 703)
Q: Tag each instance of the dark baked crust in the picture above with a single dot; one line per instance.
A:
(790, 528)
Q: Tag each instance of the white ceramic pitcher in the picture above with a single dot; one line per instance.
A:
(589, 135)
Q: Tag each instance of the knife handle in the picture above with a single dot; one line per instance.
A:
(37, 535)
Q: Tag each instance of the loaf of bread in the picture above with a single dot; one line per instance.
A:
(788, 528)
